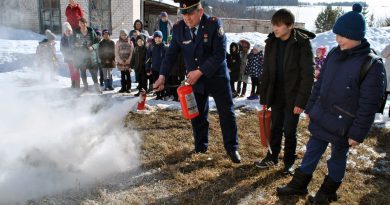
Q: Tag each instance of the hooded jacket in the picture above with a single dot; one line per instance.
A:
(234, 62)
(339, 106)
(298, 65)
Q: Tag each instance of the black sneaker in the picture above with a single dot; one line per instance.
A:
(288, 169)
(266, 163)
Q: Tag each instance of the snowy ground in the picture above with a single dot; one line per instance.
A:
(48, 118)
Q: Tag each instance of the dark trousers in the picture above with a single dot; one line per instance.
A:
(173, 83)
(243, 88)
(141, 78)
(283, 122)
(155, 76)
(337, 163)
(101, 76)
(83, 74)
(126, 80)
(220, 89)
(232, 85)
(255, 85)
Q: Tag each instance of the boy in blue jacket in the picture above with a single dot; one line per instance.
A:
(154, 58)
(341, 108)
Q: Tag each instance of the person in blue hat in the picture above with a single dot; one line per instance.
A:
(202, 41)
(341, 108)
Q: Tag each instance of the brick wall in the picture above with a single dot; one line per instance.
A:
(27, 16)
(231, 25)
(123, 15)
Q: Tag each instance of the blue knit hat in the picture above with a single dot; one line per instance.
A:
(352, 24)
(157, 34)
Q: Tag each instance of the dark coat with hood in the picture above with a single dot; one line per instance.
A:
(234, 62)
(298, 65)
(339, 106)
(107, 53)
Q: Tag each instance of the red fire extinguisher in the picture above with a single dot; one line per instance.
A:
(265, 127)
(141, 100)
(187, 100)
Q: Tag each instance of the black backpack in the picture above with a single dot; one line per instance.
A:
(371, 58)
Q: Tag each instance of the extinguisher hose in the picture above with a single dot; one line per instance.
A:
(265, 131)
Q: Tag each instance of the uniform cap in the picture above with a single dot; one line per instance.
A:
(188, 6)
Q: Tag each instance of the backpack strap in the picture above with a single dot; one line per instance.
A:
(367, 64)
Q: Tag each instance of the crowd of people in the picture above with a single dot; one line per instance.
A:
(284, 74)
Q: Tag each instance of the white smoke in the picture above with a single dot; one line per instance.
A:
(52, 140)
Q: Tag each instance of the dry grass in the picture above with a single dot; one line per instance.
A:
(170, 174)
(180, 177)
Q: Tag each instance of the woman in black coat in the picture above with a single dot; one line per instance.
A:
(233, 63)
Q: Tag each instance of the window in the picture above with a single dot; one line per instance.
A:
(100, 14)
(50, 15)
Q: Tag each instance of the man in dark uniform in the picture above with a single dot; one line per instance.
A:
(202, 41)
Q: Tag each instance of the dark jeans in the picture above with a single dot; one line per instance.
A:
(255, 85)
(243, 88)
(142, 82)
(155, 75)
(337, 163)
(126, 80)
(283, 122)
(220, 89)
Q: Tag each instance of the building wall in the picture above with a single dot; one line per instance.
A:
(232, 25)
(123, 15)
(25, 16)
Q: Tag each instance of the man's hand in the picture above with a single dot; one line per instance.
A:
(352, 142)
(159, 84)
(194, 76)
(297, 110)
(90, 48)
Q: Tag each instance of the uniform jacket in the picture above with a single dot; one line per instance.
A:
(254, 66)
(138, 59)
(84, 57)
(207, 53)
(298, 69)
(66, 48)
(234, 62)
(340, 108)
(155, 56)
(73, 15)
(107, 53)
(123, 53)
(386, 54)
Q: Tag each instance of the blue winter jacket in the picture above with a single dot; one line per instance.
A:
(339, 108)
(154, 57)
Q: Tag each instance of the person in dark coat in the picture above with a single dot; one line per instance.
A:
(138, 26)
(164, 25)
(341, 108)
(73, 14)
(107, 58)
(86, 44)
(234, 63)
(285, 85)
(154, 58)
(138, 63)
(202, 41)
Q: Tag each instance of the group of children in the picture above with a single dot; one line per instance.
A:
(93, 50)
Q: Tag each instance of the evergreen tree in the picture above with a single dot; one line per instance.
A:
(326, 19)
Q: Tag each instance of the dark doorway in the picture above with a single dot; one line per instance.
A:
(50, 15)
(100, 14)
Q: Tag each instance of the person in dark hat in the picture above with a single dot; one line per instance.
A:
(202, 41)
(164, 25)
(344, 113)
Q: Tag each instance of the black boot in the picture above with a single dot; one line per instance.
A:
(123, 88)
(297, 185)
(327, 192)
